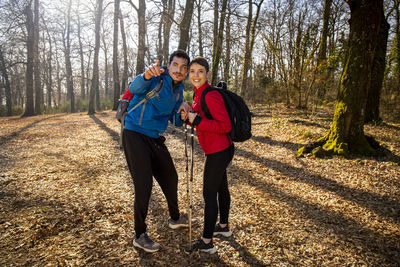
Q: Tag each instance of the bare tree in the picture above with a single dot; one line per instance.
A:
(95, 77)
(227, 56)
(125, 54)
(141, 50)
(218, 38)
(81, 57)
(199, 27)
(36, 65)
(250, 38)
(67, 55)
(7, 86)
(168, 16)
(29, 108)
(184, 25)
(116, 84)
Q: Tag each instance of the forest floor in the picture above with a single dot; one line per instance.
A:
(66, 197)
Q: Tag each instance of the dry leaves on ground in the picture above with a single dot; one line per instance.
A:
(66, 197)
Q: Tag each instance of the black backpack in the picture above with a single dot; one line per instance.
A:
(238, 111)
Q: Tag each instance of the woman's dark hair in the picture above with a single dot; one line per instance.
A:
(179, 53)
(201, 61)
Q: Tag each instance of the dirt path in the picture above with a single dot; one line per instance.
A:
(66, 197)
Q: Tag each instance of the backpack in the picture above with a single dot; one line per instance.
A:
(237, 109)
(123, 105)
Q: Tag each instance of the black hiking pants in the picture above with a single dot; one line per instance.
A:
(215, 189)
(148, 157)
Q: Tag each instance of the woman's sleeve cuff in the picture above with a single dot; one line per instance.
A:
(196, 120)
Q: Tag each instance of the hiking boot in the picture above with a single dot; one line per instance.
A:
(201, 246)
(181, 222)
(144, 242)
(226, 231)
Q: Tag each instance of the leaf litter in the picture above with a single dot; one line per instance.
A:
(66, 197)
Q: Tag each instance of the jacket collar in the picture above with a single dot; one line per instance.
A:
(201, 88)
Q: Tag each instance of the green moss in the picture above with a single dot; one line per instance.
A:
(300, 152)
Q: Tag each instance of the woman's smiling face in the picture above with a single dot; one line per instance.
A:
(198, 75)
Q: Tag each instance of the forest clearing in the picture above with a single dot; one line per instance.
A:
(66, 197)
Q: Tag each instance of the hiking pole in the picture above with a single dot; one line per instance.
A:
(187, 164)
(191, 184)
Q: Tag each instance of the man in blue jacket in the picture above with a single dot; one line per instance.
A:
(145, 151)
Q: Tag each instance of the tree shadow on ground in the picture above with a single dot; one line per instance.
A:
(346, 228)
(114, 135)
(269, 141)
(369, 200)
(308, 123)
(5, 139)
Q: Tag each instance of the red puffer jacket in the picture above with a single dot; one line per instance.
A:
(212, 134)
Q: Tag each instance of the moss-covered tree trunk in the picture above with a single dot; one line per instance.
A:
(347, 130)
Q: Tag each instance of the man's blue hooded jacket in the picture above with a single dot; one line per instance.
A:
(158, 110)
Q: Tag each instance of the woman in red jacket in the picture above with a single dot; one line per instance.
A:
(217, 145)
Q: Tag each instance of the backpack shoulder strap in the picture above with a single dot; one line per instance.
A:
(203, 101)
(152, 93)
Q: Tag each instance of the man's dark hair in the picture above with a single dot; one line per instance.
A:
(201, 61)
(179, 53)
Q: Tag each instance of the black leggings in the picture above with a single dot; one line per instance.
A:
(215, 183)
(146, 157)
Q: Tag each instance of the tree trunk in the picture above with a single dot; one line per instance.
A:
(167, 28)
(184, 26)
(68, 66)
(397, 42)
(141, 11)
(36, 65)
(322, 72)
(95, 77)
(125, 54)
(227, 59)
(297, 60)
(218, 47)
(58, 79)
(7, 86)
(49, 70)
(116, 84)
(250, 37)
(347, 130)
(378, 73)
(82, 62)
(199, 28)
(29, 108)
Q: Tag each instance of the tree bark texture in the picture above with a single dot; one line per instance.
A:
(36, 65)
(227, 59)
(322, 72)
(184, 26)
(125, 53)
(199, 28)
(82, 65)
(168, 19)
(116, 84)
(7, 87)
(29, 108)
(378, 72)
(141, 11)
(218, 39)
(68, 66)
(95, 77)
(250, 37)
